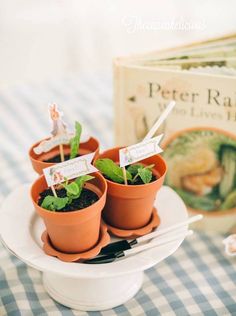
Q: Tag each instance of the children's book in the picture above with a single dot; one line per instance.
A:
(200, 134)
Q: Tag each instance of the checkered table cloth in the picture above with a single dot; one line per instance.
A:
(199, 279)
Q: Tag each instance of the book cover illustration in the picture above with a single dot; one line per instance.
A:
(200, 134)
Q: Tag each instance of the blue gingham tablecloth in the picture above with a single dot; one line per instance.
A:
(199, 279)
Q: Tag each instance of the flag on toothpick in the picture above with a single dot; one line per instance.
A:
(60, 135)
(140, 151)
(69, 169)
(148, 147)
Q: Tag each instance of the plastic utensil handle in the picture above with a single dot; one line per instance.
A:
(160, 242)
(161, 119)
(169, 229)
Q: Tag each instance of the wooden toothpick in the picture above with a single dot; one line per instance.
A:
(54, 191)
(160, 120)
(61, 152)
(125, 176)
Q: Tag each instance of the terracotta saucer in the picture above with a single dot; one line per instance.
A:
(133, 233)
(104, 240)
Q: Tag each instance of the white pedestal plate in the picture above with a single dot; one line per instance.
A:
(84, 286)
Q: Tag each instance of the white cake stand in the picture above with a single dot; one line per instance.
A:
(84, 286)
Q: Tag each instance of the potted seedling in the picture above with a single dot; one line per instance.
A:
(71, 210)
(134, 175)
(62, 145)
(129, 206)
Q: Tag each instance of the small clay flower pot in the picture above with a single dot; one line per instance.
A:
(130, 206)
(76, 231)
(38, 163)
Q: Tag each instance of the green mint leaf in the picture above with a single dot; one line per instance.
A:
(75, 141)
(48, 203)
(133, 169)
(80, 181)
(60, 203)
(53, 203)
(145, 174)
(72, 188)
(110, 169)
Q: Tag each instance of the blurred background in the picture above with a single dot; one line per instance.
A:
(50, 39)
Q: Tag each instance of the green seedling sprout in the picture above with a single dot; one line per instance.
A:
(73, 191)
(115, 173)
(75, 141)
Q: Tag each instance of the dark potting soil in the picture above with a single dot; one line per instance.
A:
(57, 158)
(87, 198)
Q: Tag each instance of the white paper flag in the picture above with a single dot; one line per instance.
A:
(69, 169)
(140, 151)
(47, 145)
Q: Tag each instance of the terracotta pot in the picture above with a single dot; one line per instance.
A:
(77, 231)
(130, 206)
(92, 145)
